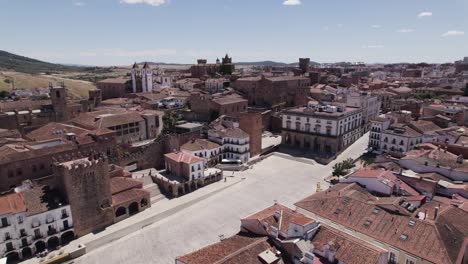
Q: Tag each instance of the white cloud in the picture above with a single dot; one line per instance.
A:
(292, 2)
(148, 2)
(405, 30)
(424, 14)
(373, 46)
(453, 33)
(376, 26)
(340, 25)
(80, 4)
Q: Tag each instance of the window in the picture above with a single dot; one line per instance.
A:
(410, 261)
(20, 219)
(4, 222)
(392, 258)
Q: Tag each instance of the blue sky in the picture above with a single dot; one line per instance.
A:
(118, 32)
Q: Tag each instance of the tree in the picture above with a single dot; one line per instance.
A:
(342, 168)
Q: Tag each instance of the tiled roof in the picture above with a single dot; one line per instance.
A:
(54, 130)
(241, 248)
(422, 239)
(286, 216)
(348, 248)
(12, 203)
(183, 157)
(199, 144)
(423, 126)
(106, 118)
(128, 196)
(119, 184)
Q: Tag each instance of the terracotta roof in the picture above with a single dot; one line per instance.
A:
(423, 126)
(286, 216)
(199, 144)
(128, 196)
(40, 199)
(107, 118)
(183, 157)
(241, 248)
(348, 249)
(54, 130)
(423, 239)
(119, 184)
(12, 203)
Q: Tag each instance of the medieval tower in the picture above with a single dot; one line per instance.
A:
(86, 185)
(58, 96)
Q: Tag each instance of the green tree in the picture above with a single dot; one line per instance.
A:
(342, 168)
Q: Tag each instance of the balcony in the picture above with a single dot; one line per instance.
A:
(65, 215)
(51, 232)
(4, 225)
(50, 220)
(7, 238)
(23, 234)
(37, 236)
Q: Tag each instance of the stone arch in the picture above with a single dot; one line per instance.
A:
(40, 246)
(67, 237)
(144, 202)
(12, 257)
(133, 208)
(53, 243)
(120, 211)
(26, 253)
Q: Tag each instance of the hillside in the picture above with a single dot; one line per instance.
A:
(76, 88)
(9, 61)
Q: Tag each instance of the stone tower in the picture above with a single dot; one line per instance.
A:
(136, 76)
(86, 185)
(227, 68)
(147, 78)
(304, 64)
(58, 96)
(251, 123)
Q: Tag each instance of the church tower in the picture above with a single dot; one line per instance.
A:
(135, 76)
(58, 96)
(147, 78)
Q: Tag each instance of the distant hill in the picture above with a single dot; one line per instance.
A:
(9, 61)
(271, 63)
(252, 63)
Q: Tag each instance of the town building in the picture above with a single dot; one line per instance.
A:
(369, 105)
(129, 126)
(33, 219)
(327, 130)
(235, 143)
(184, 173)
(271, 91)
(142, 79)
(205, 149)
(432, 233)
(114, 88)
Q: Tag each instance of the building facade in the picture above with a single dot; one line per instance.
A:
(325, 129)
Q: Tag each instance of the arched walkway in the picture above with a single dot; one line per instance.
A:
(40, 246)
(133, 208)
(144, 202)
(26, 252)
(12, 257)
(53, 243)
(120, 211)
(67, 237)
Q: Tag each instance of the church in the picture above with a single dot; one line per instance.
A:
(142, 79)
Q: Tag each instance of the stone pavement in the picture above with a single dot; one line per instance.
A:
(175, 227)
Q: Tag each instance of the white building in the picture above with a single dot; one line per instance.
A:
(143, 78)
(185, 165)
(369, 104)
(325, 129)
(215, 85)
(32, 221)
(203, 148)
(233, 140)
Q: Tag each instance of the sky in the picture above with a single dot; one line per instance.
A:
(119, 32)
